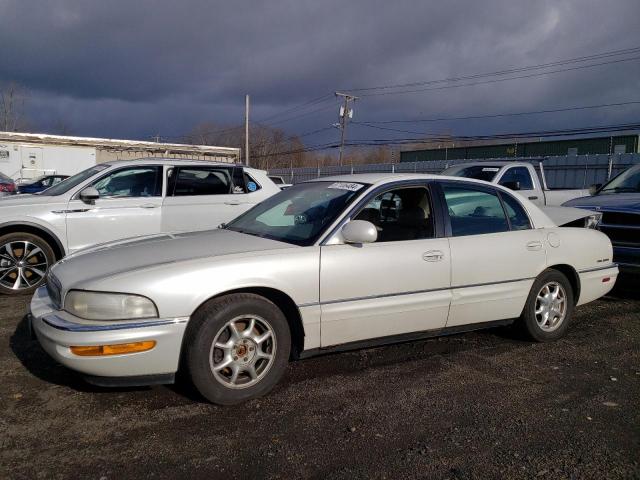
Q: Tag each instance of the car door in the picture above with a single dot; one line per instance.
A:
(527, 187)
(203, 197)
(129, 205)
(396, 285)
(495, 252)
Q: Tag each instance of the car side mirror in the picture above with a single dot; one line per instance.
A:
(593, 189)
(512, 185)
(89, 195)
(359, 231)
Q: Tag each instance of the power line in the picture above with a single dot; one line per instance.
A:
(327, 107)
(499, 115)
(497, 80)
(503, 72)
(500, 136)
(318, 100)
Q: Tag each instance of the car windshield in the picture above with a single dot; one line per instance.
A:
(299, 214)
(5, 179)
(478, 172)
(627, 181)
(67, 184)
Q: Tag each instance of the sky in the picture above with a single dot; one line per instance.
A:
(136, 69)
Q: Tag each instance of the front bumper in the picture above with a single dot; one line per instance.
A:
(58, 330)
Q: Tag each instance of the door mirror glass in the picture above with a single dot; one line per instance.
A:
(359, 231)
(594, 188)
(512, 185)
(89, 194)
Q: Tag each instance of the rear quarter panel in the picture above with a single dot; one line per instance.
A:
(588, 252)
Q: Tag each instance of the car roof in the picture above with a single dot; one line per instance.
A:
(173, 161)
(489, 163)
(382, 178)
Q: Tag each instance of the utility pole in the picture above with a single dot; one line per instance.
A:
(345, 114)
(246, 130)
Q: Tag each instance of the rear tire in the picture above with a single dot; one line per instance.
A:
(236, 348)
(549, 308)
(24, 261)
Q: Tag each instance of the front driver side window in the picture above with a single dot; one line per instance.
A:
(400, 214)
(131, 182)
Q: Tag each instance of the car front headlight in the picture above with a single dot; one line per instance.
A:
(108, 306)
(593, 220)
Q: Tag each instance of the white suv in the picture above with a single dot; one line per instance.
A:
(117, 200)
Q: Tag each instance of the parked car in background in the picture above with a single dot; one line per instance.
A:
(41, 183)
(518, 176)
(279, 181)
(619, 203)
(116, 200)
(522, 178)
(7, 186)
(328, 265)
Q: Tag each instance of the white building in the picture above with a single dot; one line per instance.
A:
(30, 155)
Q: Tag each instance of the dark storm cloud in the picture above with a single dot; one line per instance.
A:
(123, 68)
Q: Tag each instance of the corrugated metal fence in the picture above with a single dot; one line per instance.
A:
(566, 171)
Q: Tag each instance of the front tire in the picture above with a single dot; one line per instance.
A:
(549, 308)
(24, 261)
(236, 348)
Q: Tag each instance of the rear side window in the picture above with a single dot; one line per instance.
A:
(520, 175)
(474, 212)
(194, 181)
(518, 217)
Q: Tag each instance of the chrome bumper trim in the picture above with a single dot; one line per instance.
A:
(62, 324)
(611, 265)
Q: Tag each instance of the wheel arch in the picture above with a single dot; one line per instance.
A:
(35, 229)
(573, 277)
(282, 301)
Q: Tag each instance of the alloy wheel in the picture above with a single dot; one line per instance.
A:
(22, 265)
(551, 306)
(243, 351)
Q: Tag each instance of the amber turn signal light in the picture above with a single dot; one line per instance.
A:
(101, 350)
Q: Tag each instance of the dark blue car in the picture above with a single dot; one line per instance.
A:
(41, 183)
(619, 202)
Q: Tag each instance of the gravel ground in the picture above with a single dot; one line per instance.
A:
(471, 406)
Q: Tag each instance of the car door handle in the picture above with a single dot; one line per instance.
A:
(533, 197)
(232, 203)
(148, 205)
(533, 246)
(433, 256)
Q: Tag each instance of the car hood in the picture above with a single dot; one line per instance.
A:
(564, 215)
(614, 201)
(23, 200)
(143, 252)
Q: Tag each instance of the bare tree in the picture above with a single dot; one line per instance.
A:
(12, 107)
(270, 147)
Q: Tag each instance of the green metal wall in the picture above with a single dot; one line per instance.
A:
(585, 146)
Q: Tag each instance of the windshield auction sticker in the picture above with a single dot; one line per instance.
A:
(352, 187)
(490, 169)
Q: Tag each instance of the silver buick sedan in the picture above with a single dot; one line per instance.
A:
(333, 264)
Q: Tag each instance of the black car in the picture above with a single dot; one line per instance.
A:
(619, 202)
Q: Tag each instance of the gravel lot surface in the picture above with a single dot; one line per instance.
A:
(471, 406)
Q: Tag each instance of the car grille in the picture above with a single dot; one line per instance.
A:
(621, 218)
(622, 228)
(53, 289)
